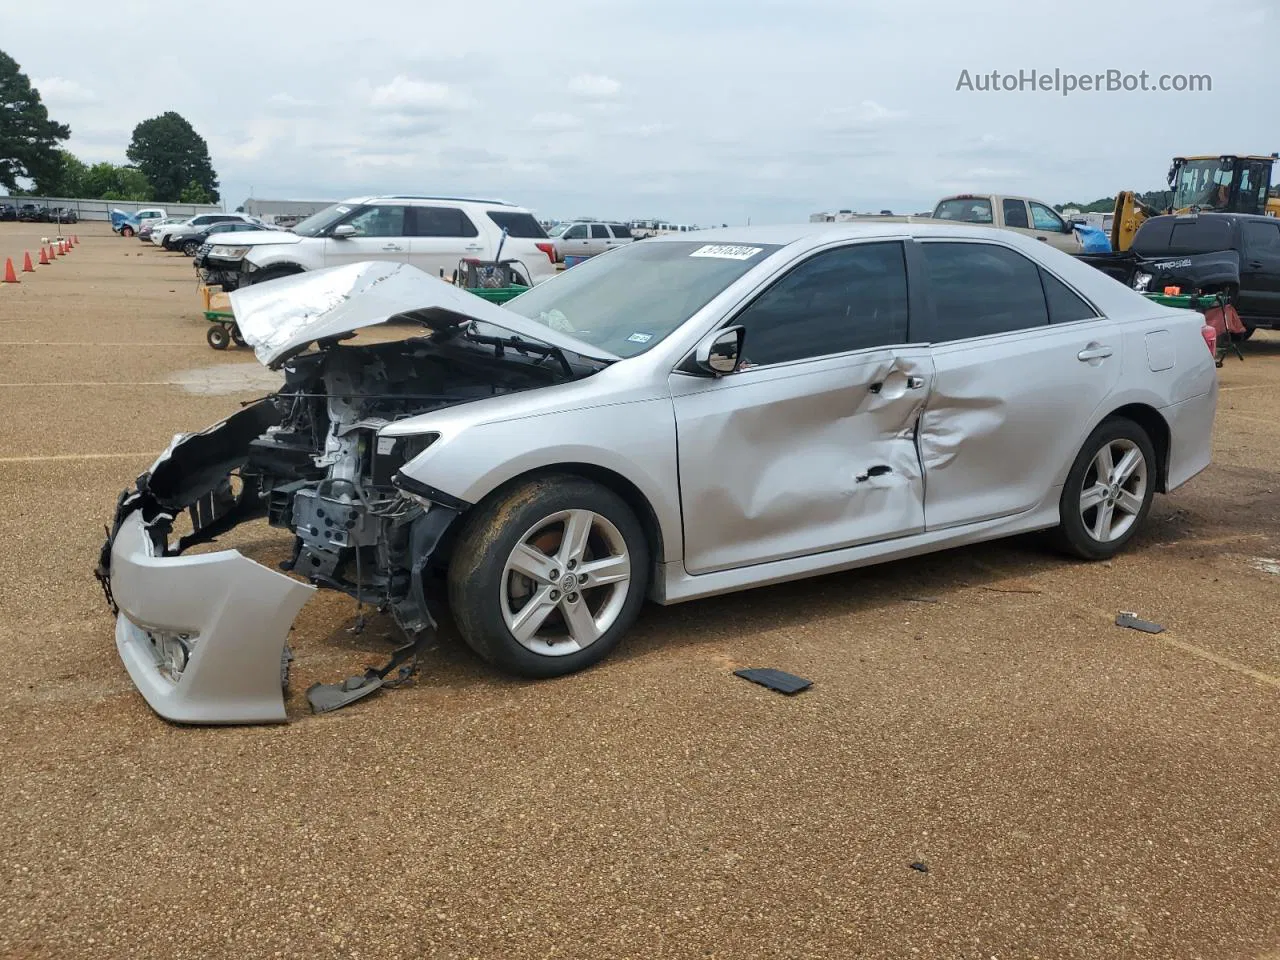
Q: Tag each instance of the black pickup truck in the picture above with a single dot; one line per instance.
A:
(1233, 253)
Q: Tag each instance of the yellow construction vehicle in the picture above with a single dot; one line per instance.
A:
(1218, 184)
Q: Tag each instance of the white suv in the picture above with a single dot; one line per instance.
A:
(434, 234)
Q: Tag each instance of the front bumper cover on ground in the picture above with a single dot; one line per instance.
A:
(203, 637)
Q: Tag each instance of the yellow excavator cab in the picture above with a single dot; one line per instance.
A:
(1225, 183)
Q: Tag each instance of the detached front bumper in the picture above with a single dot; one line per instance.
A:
(203, 637)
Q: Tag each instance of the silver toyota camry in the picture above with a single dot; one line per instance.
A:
(678, 418)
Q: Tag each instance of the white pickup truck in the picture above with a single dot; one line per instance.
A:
(1023, 214)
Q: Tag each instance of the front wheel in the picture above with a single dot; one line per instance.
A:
(548, 576)
(1108, 492)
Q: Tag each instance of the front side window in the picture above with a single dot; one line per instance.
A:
(1015, 213)
(379, 221)
(1262, 238)
(1046, 219)
(577, 232)
(850, 298)
(981, 289)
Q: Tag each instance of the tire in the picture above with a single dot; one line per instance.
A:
(218, 337)
(236, 335)
(273, 273)
(1077, 533)
(191, 248)
(126, 231)
(488, 596)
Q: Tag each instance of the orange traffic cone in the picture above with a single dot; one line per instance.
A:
(26, 262)
(44, 257)
(57, 250)
(9, 275)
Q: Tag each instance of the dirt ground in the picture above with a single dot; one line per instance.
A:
(1075, 790)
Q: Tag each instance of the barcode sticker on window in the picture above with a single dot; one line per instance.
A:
(726, 251)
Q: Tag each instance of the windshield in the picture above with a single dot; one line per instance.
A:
(1204, 183)
(630, 299)
(317, 223)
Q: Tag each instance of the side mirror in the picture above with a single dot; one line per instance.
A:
(343, 232)
(719, 351)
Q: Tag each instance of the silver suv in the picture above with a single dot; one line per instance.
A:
(586, 238)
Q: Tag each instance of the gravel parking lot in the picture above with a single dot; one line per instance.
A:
(1075, 790)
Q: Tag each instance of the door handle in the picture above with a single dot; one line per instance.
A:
(915, 383)
(1094, 351)
(1255, 264)
(392, 246)
(1045, 239)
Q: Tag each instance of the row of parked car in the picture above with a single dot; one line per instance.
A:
(33, 213)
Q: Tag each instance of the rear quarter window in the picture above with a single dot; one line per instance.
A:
(522, 226)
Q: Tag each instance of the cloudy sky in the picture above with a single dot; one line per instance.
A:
(700, 111)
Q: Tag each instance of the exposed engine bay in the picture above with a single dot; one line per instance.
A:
(309, 459)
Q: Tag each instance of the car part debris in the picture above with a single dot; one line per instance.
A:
(787, 683)
(1134, 622)
(325, 697)
(920, 867)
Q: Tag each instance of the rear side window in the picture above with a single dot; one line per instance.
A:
(1065, 305)
(980, 289)
(522, 226)
(846, 299)
(1015, 214)
(440, 222)
(621, 231)
(966, 210)
(1263, 238)
(599, 231)
(1161, 236)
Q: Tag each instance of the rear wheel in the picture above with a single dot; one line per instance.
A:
(1108, 492)
(191, 248)
(548, 576)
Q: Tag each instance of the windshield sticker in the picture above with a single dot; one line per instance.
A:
(726, 251)
(640, 338)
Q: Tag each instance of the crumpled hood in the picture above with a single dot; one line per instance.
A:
(282, 317)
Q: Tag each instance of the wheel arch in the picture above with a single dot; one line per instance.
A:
(609, 479)
(1157, 428)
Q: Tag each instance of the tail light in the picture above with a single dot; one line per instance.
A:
(1210, 335)
(549, 249)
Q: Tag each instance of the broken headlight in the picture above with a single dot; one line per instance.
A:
(392, 453)
(1141, 281)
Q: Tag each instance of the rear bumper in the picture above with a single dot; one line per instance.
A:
(203, 637)
(1190, 436)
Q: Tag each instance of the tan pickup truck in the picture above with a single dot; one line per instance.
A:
(1023, 214)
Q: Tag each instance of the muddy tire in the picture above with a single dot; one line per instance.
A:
(548, 575)
(1108, 492)
(218, 337)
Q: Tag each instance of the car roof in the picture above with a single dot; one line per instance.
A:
(410, 198)
(816, 233)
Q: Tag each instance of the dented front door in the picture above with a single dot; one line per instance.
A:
(800, 458)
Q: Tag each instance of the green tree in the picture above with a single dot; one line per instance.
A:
(194, 193)
(106, 181)
(28, 138)
(171, 155)
(66, 178)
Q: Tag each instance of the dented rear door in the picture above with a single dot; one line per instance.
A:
(1022, 364)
